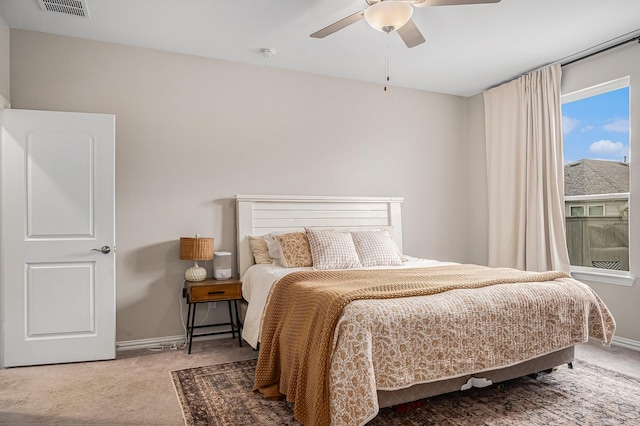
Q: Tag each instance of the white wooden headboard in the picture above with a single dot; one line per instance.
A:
(262, 214)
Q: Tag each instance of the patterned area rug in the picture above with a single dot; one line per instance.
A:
(586, 395)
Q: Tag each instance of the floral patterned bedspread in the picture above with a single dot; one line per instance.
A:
(395, 343)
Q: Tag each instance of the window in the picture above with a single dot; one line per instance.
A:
(596, 157)
(577, 210)
(596, 210)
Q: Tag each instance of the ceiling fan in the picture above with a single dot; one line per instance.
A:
(393, 15)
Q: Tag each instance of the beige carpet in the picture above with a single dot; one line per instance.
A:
(132, 390)
(586, 395)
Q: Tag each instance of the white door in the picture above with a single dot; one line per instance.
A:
(57, 213)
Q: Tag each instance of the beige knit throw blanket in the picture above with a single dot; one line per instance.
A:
(304, 307)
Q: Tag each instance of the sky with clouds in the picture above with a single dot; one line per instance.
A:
(597, 127)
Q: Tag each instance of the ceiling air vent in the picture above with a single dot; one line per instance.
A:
(67, 7)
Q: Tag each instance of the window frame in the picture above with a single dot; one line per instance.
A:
(585, 273)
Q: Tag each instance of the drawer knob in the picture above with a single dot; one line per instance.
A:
(216, 292)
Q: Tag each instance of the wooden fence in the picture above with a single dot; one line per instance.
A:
(601, 242)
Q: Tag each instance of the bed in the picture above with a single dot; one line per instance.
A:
(387, 350)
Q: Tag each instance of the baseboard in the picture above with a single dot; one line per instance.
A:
(167, 341)
(626, 343)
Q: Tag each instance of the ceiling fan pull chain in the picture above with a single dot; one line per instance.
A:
(386, 58)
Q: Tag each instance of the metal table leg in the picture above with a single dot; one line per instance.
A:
(237, 322)
(193, 317)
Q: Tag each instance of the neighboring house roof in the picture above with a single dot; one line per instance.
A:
(585, 177)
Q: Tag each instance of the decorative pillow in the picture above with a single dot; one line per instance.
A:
(376, 248)
(274, 246)
(260, 250)
(295, 250)
(332, 249)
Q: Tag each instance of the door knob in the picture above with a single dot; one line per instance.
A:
(103, 249)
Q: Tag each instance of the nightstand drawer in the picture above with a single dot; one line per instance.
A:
(210, 293)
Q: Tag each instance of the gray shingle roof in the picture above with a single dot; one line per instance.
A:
(585, 177)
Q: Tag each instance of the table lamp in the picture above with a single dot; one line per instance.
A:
(196, 248)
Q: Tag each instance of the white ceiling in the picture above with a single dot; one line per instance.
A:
(468, 49)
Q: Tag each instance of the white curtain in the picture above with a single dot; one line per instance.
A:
(523, 122)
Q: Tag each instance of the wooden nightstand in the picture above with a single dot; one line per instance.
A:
(211, 290)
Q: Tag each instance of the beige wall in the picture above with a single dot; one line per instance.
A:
(5, 91)
(193, 132)
(620, 62)
(477, 209)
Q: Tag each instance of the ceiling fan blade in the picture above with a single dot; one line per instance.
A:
(452, 2)
(337, 26)
(410, 34)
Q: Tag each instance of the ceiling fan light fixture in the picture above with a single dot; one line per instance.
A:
(388, 16)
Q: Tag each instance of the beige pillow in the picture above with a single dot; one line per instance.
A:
(260, 250)
(376, 248)
(295, 250)
(332, 249)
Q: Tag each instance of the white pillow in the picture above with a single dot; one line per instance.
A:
(388, 228)
(272, 246)
(376, 248)
(332, 249)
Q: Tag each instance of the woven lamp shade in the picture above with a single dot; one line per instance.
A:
(196, 248)
(192, 248)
